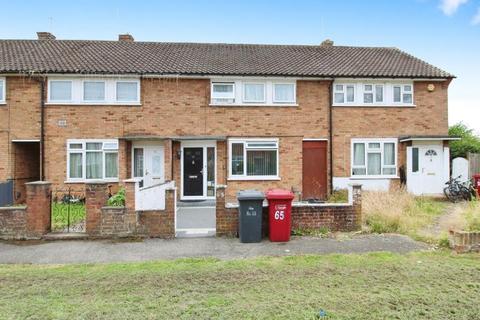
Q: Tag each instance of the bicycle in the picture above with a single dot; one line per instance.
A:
(457, 191)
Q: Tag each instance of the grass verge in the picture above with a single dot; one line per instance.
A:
(370, 286)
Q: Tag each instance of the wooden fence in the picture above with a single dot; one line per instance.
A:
(474, 162)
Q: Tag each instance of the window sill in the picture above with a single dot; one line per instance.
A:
(91, 180)
(255, 178)
(84, 104)
(2, 103)
(290, 105)
(373, 177)
(350, 105)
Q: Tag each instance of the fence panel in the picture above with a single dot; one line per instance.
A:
(474, 160)
(6, 193)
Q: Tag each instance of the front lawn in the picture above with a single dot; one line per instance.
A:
(372, 286)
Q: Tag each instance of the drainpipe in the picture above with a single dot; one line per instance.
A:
(42, 129)
(330, 129)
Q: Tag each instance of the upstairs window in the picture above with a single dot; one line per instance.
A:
(60, 90)
(344, 93)
(254, 92)
(403, 94)
(127, 91)
(253, 159)
(284, 93)
(2, 90)
(374, 158)
(94, 91)
(223, 92)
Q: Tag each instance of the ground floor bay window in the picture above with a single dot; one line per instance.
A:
(253, 159)
(92, 159)
(375, 158)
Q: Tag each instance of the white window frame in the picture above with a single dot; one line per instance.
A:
(77, 87)
(104, 91)
(83, 151)
(127, 101)
(359, 87)
(245, 142)
(50, 91)
(4, 90)
(212, 93)
(239, 92)
(344, 93)
(274, 86)
(402, 92)
(368, 150)
(245, 84)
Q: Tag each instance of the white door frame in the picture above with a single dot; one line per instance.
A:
(146, 145)
(204, 144)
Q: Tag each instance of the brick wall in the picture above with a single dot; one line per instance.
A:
(464, 241)
(116, 222)
(172, 107)
(334, 217)
(13, 223)
(159, 223)
(96, 196)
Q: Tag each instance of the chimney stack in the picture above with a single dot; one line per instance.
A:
(327, 43)
(125, 37)
(45, 36)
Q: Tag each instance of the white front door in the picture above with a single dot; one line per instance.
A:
(425, 169)
(148, 163)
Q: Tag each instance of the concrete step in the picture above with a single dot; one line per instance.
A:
(65, 236)
(195, 233)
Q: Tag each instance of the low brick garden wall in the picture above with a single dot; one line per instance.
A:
(305, 216)
(465, 241)
(13, 223)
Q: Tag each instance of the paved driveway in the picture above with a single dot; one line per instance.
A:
(61, 252)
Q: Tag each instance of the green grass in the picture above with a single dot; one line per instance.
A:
(338, 196)
(371, 286)
(60, 214)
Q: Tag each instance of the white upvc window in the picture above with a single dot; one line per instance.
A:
(60, 91)
(2, 90)
(253, 159)
(93, 91)
(376, 158)
(373, 93)
(223, 92)
(127, 91)
(254, 92)
(344, 93)
(92, 159)
(403, 93)
(284, 93)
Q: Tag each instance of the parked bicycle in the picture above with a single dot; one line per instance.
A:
(459, 191)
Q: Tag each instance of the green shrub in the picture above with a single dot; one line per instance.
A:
(338, 196)
(118, 199)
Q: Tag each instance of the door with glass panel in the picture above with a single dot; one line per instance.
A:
(198, 171)
(148, 164)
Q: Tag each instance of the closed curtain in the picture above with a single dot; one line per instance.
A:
(94, 165)
(374, 164)
(254, 92)
(75, 165)
(261, 163)
(111, 165)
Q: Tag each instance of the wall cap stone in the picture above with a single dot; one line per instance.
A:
(13, 208)
(221, 186)
(96, 182)
(38, 183)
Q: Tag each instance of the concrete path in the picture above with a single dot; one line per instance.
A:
(62, 252)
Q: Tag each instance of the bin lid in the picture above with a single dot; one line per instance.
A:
(250, 195)
(280, 194)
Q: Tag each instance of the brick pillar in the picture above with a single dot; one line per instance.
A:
(168, 230)
(226, 219)
(356, 190)
(130, 187)
(124, 159)
(38, 208)
(168, 156)
(96, 196)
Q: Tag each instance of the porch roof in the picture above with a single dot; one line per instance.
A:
(175, 138)
(429, 138)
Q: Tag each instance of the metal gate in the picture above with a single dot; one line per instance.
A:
(68, 211)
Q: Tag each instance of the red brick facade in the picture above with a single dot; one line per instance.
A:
(180, 107)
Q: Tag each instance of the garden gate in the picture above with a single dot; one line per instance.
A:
(68, 210)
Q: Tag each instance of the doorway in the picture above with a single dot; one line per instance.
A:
(314, 180)
(148, 163)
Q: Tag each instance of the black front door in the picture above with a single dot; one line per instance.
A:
(193, 171)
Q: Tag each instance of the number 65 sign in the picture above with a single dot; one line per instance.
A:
(280, 212)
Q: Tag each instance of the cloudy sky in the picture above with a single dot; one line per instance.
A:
(446, 33)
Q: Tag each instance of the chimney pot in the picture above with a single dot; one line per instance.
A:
(125, 37)
(45, 36)
(327, 43)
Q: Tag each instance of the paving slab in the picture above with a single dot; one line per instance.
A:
(106, 251)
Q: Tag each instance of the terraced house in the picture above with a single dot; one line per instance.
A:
(310, 118)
